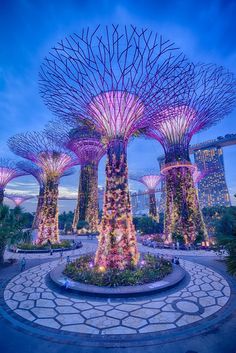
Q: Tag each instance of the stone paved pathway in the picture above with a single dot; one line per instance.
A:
(28, 295)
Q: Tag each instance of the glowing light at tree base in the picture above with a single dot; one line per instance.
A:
(183, 216)
(117, 247)
(48, 223)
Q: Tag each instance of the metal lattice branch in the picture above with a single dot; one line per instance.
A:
(209, 96)
(19, 199)
(38, 148)
(150, 179)
(8, 171)
(85, 142)
(114, 78)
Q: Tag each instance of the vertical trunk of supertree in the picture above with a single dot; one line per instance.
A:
(35, 224)
(1, 196)
(87, 202)
(183, 216)
(91, 212)
(153, 206)
(117, 247)
(76, 212)
(48, 224)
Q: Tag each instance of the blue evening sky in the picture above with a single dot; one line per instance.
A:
(203, 29)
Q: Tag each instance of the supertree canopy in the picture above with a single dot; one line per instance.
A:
(19, 199)
(114, 79)
(151, 181)
(38, 173)
(207, 98)
(8, 171)
(87, 145)
(53, 161)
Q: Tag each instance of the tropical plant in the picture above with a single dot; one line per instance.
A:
(11, 227)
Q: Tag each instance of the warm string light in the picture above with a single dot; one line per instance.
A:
(117, 246)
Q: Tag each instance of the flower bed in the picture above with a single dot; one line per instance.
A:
(31, 246)
(149, 269)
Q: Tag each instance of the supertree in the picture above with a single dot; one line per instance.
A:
(114, 79)
(150, 180)
(18, 199)
(38, 173)
(8, 171)
(87, 145)
(208, 96)
(53, 161)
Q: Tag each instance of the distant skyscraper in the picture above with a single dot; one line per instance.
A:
(212, 190)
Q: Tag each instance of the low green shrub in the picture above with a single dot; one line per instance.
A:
(31, 246)
(149, 269)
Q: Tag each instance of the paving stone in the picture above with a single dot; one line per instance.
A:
(187, 307)
(47, 322)
(45, 303)
(103, 322)
(187, 319)
(215, 293)
(92, 313)
(222, 301)
(44, 312)
(226, 291)
(25, 314)
(48, 295)
(217, 285)
(207, 301)
(127, 307)
(105, 307)
(200, 294)
(134, 322)
(7, 294)
(82, 306)
(17, 288)
(168, 307)
(157, 327)
(34, 296)
(155, 304)
(19, 296)
(145, 312)
(27, 304)
(12, 304)
(66, 309)
(210, 310)
(70, 319)
(165, 317)
(81, 329)
(117, 314)
(63, 302)
(206, 287)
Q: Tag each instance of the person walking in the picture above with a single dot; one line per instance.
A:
(23, 264)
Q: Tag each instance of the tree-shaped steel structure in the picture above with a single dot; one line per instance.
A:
(53, 161)
(8, 171)
(208, 96)
(18, 199)
(38, 173)
(114, 79)
(87, 145)
(150, 179)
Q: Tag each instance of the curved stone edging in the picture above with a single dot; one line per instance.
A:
(169, 281)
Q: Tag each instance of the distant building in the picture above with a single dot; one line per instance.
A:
(212, 189)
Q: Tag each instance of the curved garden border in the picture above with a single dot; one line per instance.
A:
(62, 281)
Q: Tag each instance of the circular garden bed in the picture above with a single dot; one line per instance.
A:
(150, 275)
(65, 245)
